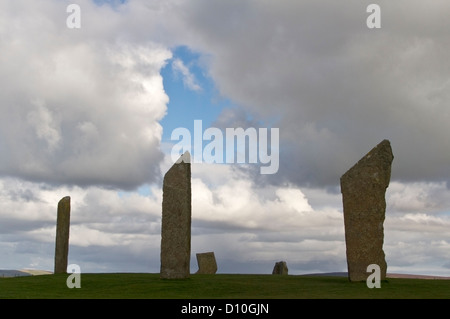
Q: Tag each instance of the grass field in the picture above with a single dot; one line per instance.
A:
(219, 286)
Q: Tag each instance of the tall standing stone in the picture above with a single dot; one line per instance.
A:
(363, 190)
(176, 220)
(62, 235)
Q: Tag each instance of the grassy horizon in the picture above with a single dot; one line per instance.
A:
(218, 286)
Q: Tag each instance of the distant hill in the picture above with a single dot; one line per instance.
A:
(339, 274)
(12, 273)
(388, 275)
(22, 272)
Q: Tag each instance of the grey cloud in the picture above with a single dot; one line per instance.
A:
(337, 87)
(13, 226)
(24, 195)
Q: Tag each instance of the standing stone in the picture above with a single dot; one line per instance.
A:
(206, 263)
(176, 220)
(62, 235)
(280, 268)
(363, 190)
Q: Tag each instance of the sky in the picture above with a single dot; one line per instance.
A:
(90, 112)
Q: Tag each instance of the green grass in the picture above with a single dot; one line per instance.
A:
(219, 286)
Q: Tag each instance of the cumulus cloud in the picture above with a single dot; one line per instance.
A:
(244, 223)
(424, 197)
(105, 224)
(102, 220)
(78, 107)
(248, 226)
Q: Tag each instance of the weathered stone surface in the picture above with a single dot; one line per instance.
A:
(62, 235)
(206, 263)
(363, 190)
(176, 220)
(280, 268)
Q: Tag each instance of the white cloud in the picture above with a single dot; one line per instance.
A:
(80, 107)
(189, 79)
(45, 126)
(424, 197)
(248, 226)
(242, 225)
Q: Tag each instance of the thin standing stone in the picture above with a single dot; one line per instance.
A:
(62, 235)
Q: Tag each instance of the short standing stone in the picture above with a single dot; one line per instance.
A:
(206, 263)
(363, 190)
(280, 268)
(62, 235)
(176, 220)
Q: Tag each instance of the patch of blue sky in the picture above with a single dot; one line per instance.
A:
(187, 103)
(190, 99)
(194, 106)
(445, 214)
(112, 3)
